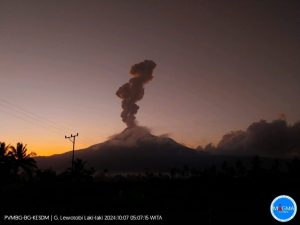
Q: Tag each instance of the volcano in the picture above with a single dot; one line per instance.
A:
(133, 150)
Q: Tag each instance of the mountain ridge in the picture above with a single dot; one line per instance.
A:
(134, 149)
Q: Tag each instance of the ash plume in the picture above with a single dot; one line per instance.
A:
(133, 91)
(270, 139)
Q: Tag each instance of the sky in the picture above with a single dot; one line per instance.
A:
(220, 66)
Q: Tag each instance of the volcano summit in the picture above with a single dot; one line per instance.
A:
(133, 150)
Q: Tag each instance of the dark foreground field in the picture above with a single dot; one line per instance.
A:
(230, 194)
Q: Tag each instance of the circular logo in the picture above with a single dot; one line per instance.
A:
(283, 208)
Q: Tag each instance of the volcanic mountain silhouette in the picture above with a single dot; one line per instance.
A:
(134, 149)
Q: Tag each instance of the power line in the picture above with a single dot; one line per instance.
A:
(28, 120)
(72, 138)
(37, 118)
(25, 116)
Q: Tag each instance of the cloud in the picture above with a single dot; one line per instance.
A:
(273, 139)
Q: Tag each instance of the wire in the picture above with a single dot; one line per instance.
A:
(42, 121)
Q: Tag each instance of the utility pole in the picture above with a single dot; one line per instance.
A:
(72, 138)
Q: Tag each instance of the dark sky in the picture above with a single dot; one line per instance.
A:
(220, 66)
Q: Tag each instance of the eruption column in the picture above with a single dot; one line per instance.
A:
(133, 91)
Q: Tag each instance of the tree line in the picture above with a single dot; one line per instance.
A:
(17, 163)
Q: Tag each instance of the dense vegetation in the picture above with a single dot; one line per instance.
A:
(235, 193)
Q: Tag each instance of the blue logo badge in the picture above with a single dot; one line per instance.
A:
(283, 208)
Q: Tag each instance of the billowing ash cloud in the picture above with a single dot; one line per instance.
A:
(133, 91)
(274, 139)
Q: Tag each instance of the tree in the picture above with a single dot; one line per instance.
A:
(3, 151)
(275, 168)
(5, 162)
(227, 170)
(80, 172)
(22, 160)
(294, 167)
(240, 168)
(256, 167)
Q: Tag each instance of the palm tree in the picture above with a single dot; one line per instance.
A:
(21, 159)
(3, 151)
(5, 165)
(80, 172)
